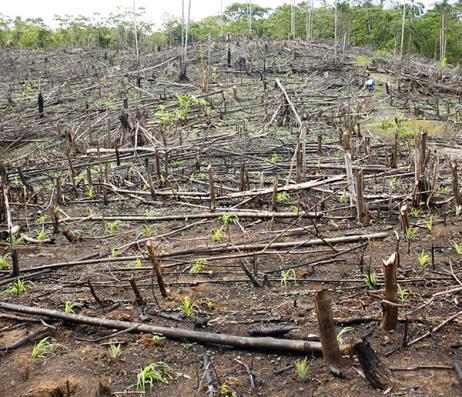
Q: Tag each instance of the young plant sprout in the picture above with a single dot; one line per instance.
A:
(301, 366)
(157, 372)
(114, 350)
(44, 347)
(423, 259)
(288, 276)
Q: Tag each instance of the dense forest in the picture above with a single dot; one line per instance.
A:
(435, 32)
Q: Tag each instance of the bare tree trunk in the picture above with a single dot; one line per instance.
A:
(402, 30)
(183, 75)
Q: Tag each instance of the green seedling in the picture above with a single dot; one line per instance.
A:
(69, 306)
(197, 267)
(217, 235)
(282, 197)
(42, 235)
(90, 193)
(301, 366)
(423, 259)
(150, 213)
(342, 332)
(147, 231)
(274, 158)
(444, 190)
(137, 263)
(157, 339)
(187, 345)
(415, 212)
(371, 279)
(189, 308)
(394, 182)
(114, 350)
(16, 239)
(157, 372)
(410, 234)
(429, 224)
(403, 294)
(19, 287)
(112, 227)
(42, 219)
(115, 252)
(228, 219)
(457, 247)
(288, 276)
(4, 261)
(458, 210)
(226, 391)
(44, 347)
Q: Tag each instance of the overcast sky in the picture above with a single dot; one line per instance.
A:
(155, 9)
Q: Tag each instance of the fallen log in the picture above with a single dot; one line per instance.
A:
(220, 248)
(242, 342)
(186, 217)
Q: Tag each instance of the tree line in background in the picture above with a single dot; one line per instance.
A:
(406, 29)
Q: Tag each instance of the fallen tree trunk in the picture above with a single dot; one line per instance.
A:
(186, 217)
(243, 342)
(222, 248)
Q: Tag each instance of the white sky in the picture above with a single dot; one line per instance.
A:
(155, 9)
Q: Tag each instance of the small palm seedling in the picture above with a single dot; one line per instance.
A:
(197, 267)
(112, 227)
(342, 332)
(429, 224)
(217, 235)
(415, 212)
(227, 219)
(16, 239)
(423, 259)
(157, 339)
(458, 247)
(189, 308)
(4, 261)
(44, 347)
(444, 190)
(70, 306)
(301, 366)
(90, 193)
(226, 391)
(114, 350)
(42, 219)
(288, 276)
(137, 263)
(147, 230)
(370, 279)
(458, 210)
(157, 372)
(274, 158)
(19, 287)
(410, 234)
(42, 235)
(394, 182)
(403, 294)
(115, 252)
(282, 197)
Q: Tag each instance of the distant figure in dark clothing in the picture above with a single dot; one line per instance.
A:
(370, 85)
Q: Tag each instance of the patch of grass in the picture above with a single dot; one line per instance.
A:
(363, 60)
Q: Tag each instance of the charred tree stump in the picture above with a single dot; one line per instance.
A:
(361, 208)
(390, 311)
(327, 333)
(455, 183)
(156, 269)
(40, 104)
(374, 369)
(211, 187)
